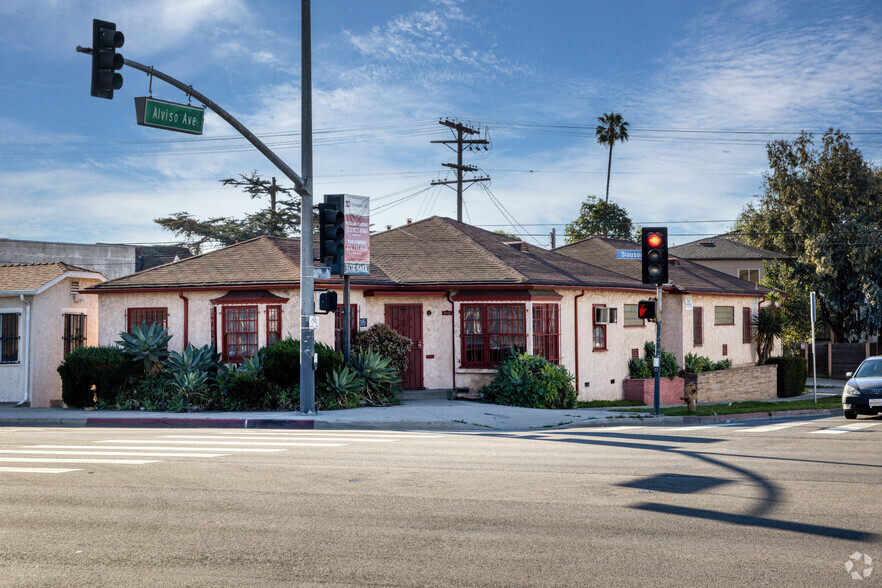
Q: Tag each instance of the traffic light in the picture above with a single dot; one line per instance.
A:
(332, 234)
(646, 310)
(654, 243)
(105, 60)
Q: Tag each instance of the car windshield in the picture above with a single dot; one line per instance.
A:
(869, 369)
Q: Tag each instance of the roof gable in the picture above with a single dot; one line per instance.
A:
(723, 247)
(31, 277)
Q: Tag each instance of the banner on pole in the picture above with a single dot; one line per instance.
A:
(357, 239)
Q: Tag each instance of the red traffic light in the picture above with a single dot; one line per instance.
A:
(654, 240)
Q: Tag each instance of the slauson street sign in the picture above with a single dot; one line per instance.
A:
(169, 115)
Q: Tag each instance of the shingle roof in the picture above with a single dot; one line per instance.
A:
(722, 247)
(684, 274)
(23, 277)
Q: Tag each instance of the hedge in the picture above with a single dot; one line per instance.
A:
(791, 375)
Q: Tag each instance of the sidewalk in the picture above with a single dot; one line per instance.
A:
(417, 414)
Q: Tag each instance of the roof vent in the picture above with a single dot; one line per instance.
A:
(519, 245)
(708, 244)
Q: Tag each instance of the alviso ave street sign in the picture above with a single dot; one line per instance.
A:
(169, 115)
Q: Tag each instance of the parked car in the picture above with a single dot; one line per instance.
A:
(863, 391)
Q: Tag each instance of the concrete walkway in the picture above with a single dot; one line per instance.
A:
(411, 414)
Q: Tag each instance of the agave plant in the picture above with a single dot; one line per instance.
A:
(147, 344)
(252, 365)
(378, 375)
(190, 383)
(193, 359)
(342, 388)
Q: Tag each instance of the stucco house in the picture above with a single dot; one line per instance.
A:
(726, 254)
(42, 318)
(462, 294)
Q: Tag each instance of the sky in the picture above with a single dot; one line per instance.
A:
(704, 86)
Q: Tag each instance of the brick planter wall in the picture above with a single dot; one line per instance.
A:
(669, 390)
(746, 383)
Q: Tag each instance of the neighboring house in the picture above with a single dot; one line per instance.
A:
(42, 318)
(464, 295)
(704, 311)
(110, 260)
(724, 253)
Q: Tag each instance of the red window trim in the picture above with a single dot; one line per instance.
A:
(486, 350)
(338, 325)
(145, 309)
(225, 334)
(594, 326)
(548, 341)
(278, 332)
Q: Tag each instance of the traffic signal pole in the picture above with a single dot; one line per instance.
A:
(302, 185)
(656, 362)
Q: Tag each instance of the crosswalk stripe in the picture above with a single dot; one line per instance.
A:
(170, 441)
(700, 427)
(621, 428)
(39, 470)
(845, 428)
(105, 453)
(313, 433)
(76, 460)
(356, 439)
(154, 448)
(770, 428)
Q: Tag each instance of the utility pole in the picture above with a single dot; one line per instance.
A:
(308, 320)
(460, 131)
(553, 237)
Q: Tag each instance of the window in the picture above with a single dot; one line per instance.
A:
(724, 315)
(338, 326)
(74, 332)
(239, 332)
(490, 331)
(9, 337)
(751, 275)
(631, 317)
(273, 324)
(136, 316)
(697, 326)
(546, 332)
(599, 329)
(746, 327)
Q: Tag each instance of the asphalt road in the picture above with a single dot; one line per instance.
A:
(751, 504)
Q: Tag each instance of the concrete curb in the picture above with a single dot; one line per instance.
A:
(700, 420)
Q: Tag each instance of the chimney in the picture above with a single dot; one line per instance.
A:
(410, 220)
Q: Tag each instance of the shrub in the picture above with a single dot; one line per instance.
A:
(329, 361)
(92, 373)
(281, 363)
(791, 375)
(385, 341)
(530, 381)
(669, 367)
(639, 369)
(246, 391)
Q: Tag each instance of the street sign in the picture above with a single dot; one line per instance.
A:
(321, 273)
(628, 254)
(171, 116)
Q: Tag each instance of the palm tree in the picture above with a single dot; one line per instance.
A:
(612, 128)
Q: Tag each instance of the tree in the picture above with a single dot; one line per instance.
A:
(597, 217)
(612, 128)
(823, 207)
(281, 218)
(768, 324)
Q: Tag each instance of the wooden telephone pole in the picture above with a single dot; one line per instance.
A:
(460, 131)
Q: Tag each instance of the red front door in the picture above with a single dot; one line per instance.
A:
(407, 320)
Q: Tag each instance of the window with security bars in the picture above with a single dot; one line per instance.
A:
(724, 315)
(490, 332)
(239, 333)
(632, 319)
(136, 316)
(74, 332)
(546, 332)
(273, 324)
(697, 326)
(9, 337)
(338, 326)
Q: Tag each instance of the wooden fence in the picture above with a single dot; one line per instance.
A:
(834, 359)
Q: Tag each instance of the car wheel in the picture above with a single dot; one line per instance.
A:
(849, 414)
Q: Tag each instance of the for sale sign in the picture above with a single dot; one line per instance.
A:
(357, 236)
